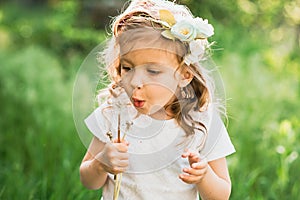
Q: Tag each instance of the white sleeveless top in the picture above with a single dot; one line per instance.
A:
(155, 152)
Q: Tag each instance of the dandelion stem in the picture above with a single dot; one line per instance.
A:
(119, 137)
(118, 177)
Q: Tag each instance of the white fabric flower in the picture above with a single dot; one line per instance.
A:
(197, 49)
(184, 30)
(204, 29)
(188, 30)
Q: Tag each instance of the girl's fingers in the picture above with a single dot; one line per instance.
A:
(195, 172)
(190, 179)
(124, 163)
(114, 157)
(200, 164)
(122, 141)
(121, 147)
(189, 153)
(122, 156)
(193, 157)
(185, 154)
(118, 166)
(117, 170)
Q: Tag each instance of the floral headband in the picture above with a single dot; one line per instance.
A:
(178, 22)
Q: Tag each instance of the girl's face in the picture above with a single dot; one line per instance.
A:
(150, 79)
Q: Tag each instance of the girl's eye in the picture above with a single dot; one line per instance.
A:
(125, 68)
(153, 72)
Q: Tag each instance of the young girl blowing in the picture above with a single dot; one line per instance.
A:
(158, 134)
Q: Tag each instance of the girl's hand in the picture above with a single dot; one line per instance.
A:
(114, 157)
(197, 170)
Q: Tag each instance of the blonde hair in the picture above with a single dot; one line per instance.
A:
(130, 31)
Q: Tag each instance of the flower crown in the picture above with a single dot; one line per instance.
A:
(195, 31)
(178, 22)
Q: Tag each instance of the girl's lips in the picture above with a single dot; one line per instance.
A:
(138, 103)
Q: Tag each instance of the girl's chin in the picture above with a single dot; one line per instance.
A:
(159, 114)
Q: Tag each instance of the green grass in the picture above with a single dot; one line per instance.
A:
(40, 150)
(264, 119)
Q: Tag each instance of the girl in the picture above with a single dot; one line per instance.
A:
(161, 104)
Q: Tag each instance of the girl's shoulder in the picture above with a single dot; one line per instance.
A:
(218, 143)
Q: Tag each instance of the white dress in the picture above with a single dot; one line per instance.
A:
(155, 152)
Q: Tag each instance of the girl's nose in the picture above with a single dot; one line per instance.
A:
(137, 79)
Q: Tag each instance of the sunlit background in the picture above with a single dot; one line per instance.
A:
(44, 42)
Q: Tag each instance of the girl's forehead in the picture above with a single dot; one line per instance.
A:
(150, 55)
(148, 38)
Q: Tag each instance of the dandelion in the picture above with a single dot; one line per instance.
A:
(280, 149)
(292, 157)
(119, 101)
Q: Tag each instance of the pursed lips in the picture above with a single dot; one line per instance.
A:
(138, 103)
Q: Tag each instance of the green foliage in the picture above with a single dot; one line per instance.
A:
(42, 47)
(35, 106)
(55, 27)
(264, 125)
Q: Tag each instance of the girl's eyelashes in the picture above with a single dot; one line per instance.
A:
(153, 71)
(125, 68)
(149, 70)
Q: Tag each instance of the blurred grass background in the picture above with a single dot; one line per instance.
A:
(44, 42)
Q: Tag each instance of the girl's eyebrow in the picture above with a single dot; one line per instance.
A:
(145, 64)
(155, 64)
(126, 60)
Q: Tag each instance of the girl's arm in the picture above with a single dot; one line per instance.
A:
(216, 183)
(92, 175)
(212, 179)
(100, 159)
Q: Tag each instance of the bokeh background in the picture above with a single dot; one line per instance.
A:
(44, 42)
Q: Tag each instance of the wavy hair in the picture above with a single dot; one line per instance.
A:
(139, 34)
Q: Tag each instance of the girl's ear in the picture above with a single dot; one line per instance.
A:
(186, 77)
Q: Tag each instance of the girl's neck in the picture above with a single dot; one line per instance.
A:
(162, 114)
(165, 113)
